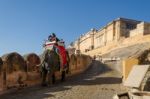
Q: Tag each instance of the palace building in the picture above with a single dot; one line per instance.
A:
(115, 31)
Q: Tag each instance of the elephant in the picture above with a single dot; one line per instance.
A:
(50, 64)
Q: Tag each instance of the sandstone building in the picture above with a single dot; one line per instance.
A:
(114, 32)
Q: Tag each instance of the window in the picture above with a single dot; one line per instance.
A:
(130, 26)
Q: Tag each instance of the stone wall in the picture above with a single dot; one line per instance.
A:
(139, 30)
(79, 63)
(142, 28)
(14, 70)
(104, 35)
(145, 85)
(127, 66)
(85, 43)
(14, 75)
(146, 28)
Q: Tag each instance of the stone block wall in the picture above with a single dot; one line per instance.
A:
(14, 75)
(127, 66)
(79, 63)
(139, 30)
(145, 85)
(146, 28)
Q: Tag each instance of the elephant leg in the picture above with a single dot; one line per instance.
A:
(53, 78)
(63, 76)
(68, 69)
(44, 75)
(50, 78)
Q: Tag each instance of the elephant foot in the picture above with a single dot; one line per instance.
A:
(21, 86)
(63, 76)
(44, 85)
(53, 79)
(10, 87)
(68, 72)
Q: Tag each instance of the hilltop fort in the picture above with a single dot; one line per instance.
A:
(121, 32)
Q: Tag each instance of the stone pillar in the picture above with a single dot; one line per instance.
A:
(118, 30)
(92, 38)
(105, 36)
(114, 30)
(78, 44)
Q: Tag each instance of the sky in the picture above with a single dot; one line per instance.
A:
(25, 24)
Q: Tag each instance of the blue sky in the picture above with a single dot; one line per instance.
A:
(24, 24)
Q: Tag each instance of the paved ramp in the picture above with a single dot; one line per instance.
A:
(124, 53)
(131, 51)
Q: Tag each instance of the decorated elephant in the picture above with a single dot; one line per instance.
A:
(50, 64)
(54, 60)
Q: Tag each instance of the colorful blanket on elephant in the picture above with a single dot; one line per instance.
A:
(62, 53)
